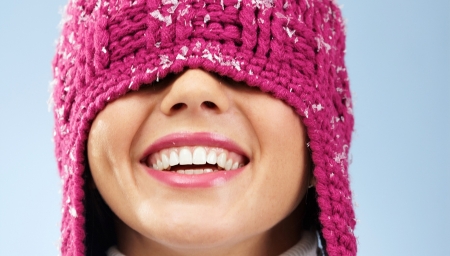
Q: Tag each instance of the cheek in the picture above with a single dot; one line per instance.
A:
(280, 165)
(109, 147)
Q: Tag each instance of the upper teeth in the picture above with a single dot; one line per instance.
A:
(197, 155)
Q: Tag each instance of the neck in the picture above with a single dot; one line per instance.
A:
(273, 242)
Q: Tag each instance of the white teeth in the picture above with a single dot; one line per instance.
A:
(221, 160)
(228, 165)
(180, 171)
(173, 158)
(165, 161)
(212, 157)
(185, 157)
(159, 164)
(199, 156)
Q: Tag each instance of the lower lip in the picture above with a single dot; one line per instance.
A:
(204, 180)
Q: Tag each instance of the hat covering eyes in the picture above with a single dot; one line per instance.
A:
(292, 49)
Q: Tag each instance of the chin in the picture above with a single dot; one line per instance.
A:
(196, 235)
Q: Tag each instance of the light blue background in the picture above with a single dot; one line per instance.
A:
(399, 63)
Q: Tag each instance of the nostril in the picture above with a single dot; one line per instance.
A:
(209, 104)
(178, 106)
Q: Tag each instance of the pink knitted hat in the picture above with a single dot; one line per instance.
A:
(292, 49)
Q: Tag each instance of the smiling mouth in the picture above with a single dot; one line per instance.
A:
(195, 160)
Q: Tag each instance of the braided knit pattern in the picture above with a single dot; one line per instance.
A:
(292, 49)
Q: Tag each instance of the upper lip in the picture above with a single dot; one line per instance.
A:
(193, 139)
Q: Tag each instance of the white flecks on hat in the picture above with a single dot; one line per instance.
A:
(182, 55)
(289, 31)
(321, 43)
(262, 4)
(282, 16)
(73, 212)
(206, 18)
(184, 11)
(165, 61)
(317, 107)
(157, 15)
(148, 71)
(238, 5)
(207, 55)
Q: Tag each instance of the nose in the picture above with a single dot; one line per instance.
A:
(195, 91)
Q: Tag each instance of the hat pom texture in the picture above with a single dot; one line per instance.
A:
(292, 49)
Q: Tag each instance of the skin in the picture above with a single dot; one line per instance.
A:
(256, 213)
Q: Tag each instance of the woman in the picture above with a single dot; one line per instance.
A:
(203, 128)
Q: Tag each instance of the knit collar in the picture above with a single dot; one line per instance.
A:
(307, 246)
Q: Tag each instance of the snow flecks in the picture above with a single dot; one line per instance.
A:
(321, 43)
(306, 113)
(207, 55)
(236, 65)
(157, 15)
(131, 84)
(289, 31)
(317, 107)
(174, 4)
(238, 5)
(71, 38)
(73, 212)
(184, 11)
(158, 44)
(104, 49)
(339, 69)
(134, 3)
(133, 69)
(71, 155)
(221, 3)
(197, 46)
(165, 61)
(262, 4)
(182, 55)
(206, 18)
(148, 71)
(60, 112)
(286, 5)
(282, 16)
(250, 72)
(338, 157)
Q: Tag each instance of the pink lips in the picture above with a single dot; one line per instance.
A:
(204, 180)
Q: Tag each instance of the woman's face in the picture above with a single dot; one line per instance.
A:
(237, 160)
